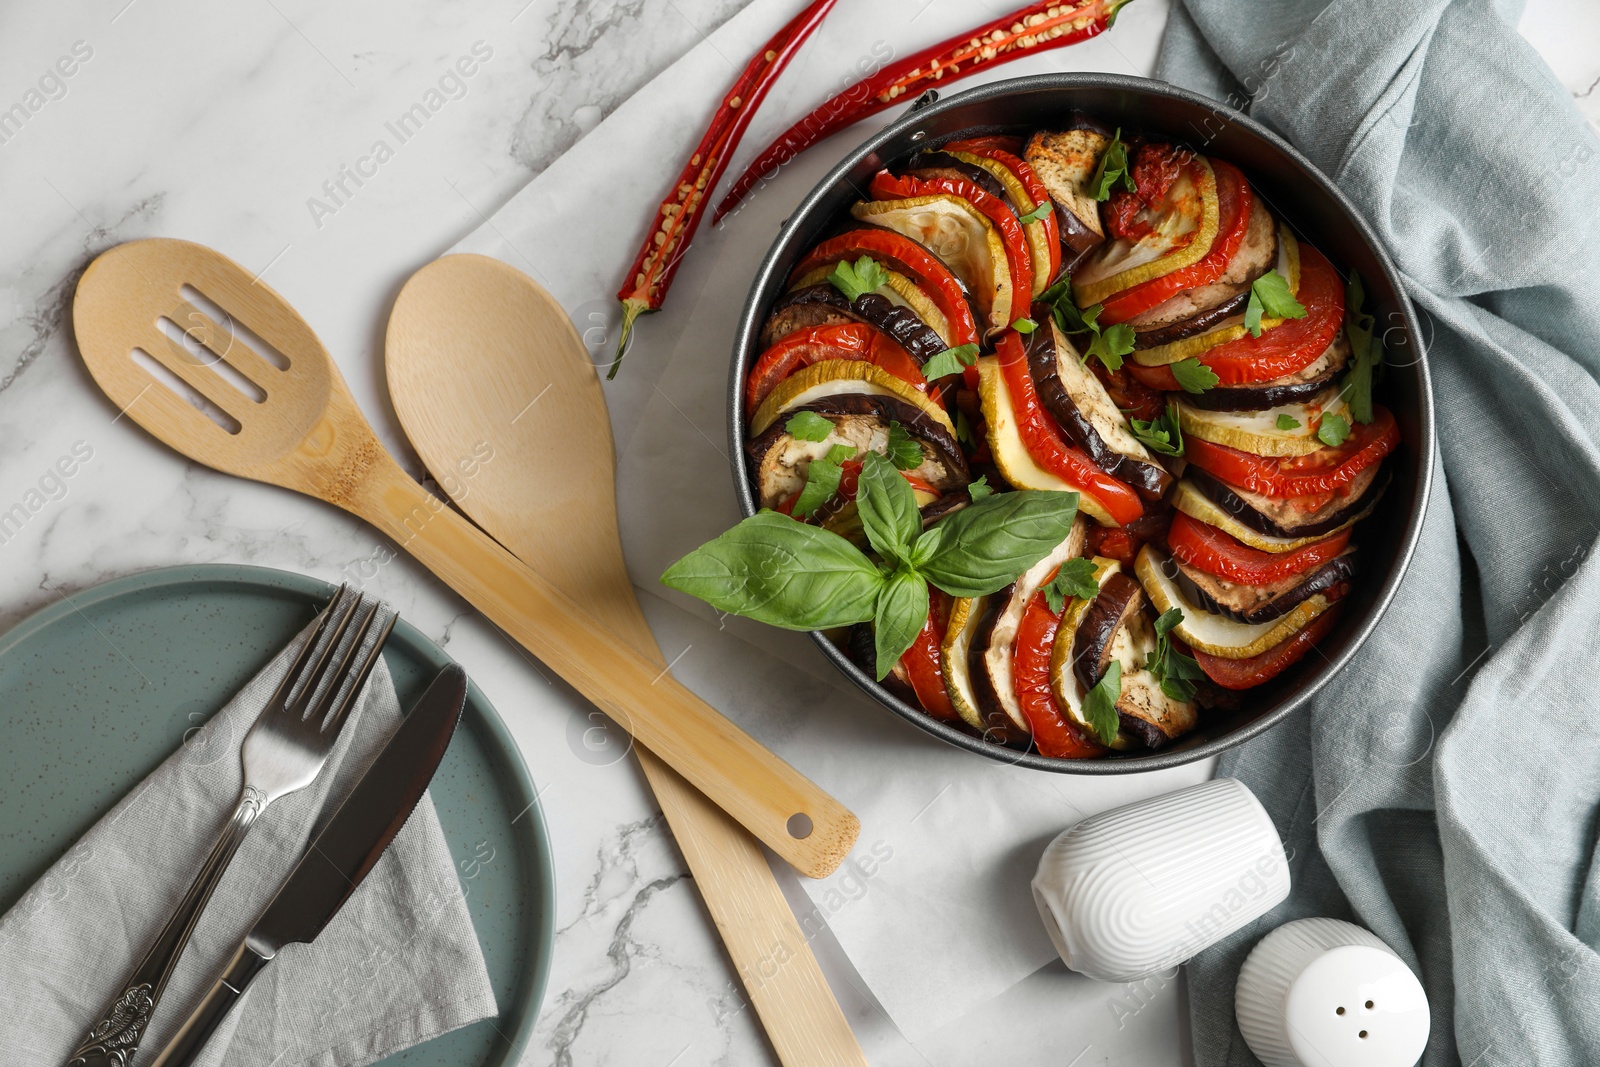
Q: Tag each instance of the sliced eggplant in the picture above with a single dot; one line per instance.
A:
(954, 656)
(1290, 389)
(898, 290)
(819, 305)
(963, 239)
(1263, 603)
(1120, 599)
(1258, 431)
(993, 651)
(1195, 504)
(860, 645)
(861, 421)
(1285, 516)
(944, 165)
(1065, 162)
(1214, 634)
(1157, 335)
(1078, 401)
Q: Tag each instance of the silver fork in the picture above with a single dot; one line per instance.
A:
(282, 753)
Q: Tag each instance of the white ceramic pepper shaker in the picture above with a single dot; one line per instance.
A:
(1144, 887)
(1325, 993)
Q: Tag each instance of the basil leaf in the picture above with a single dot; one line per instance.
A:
(980, 489)
(1037, 214)
(887, 507)
(1365, 356)
(781, 572)
(905, 451)
(899, 615)
(809, 426)
(1100, 706)
(1113, 168)
(1332, 430)
(1194, 376)
(950, 361)
(1288, 422)
(1162, 434)
(858, 279)
(1112, 345)
(983, 547)
(1024, 326)
(822, 481)
(1074, 579)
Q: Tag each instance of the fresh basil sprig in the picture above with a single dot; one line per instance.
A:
(1365, 354)
(1100, 704)
(786, 573)
(1113, 168)
(1175, 671)
(1270, 294)
(1162, 434)
(857, 279)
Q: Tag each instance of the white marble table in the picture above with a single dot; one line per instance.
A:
(239, 126)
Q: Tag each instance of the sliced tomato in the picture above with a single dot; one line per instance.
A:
(1249, 673)
(1054, 734)
(1112, 542)
(901, 253)
(1235, 201)
(1319, 473)
(814, 344)
(1288, 347)
(1019, 259)
(923, 663)
(992, 148)
(1206, 548)
(1044, 442)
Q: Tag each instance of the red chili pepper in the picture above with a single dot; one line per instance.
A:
(813, 344)
(900, 253)
(1019, 260)
(1033, 29)
(1045, 444)
(679, 215)
(1054, 734)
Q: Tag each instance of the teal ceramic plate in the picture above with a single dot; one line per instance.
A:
(98, 690)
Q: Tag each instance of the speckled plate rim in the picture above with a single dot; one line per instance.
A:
(412, 641)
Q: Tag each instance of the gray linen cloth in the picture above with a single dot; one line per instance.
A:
(398, 965)
(1443, 791)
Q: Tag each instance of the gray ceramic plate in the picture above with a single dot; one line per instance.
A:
(95, 692)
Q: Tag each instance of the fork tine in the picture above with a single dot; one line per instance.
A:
(287, 687)
(342, 698)
(315, 673)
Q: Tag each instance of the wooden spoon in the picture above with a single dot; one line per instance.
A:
(296, 426)
(479, 355)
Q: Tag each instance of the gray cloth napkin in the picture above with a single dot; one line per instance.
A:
(1443, 790)
(398, 965)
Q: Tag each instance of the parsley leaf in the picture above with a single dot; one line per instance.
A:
(1175, 671)
(857, 279)
(979, 489)
(1075, 578)
(822, 481)
(1162, 434)
(1100, 706)
(1038, 213)
(1194, 376)
(950, 361)
(964, 432)
(1270, 294)
(1024, 326)
(1110, 346)
(1365, 355)
(1113, 168)
(904, 451)
(809, 426)
(1288, 422)
(1332, 430)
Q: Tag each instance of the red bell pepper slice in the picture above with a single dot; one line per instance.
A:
(1249, 673)
(1288, 347)
(1235, 202)
(1043, 438)
(1019, 260)
(924, 663)
(813, 344)
(1206, 548)
(1054, 734)
(902, 254)
(1322, 472)
(1003, 150)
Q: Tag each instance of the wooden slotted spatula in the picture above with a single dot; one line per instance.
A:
(296, 426)
(480, 357)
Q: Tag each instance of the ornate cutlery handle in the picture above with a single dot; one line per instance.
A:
(113, 1041)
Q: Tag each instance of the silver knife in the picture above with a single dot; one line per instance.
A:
(338, 859)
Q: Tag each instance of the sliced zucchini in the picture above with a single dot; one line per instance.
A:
(1022, 204)
(962, 237)
(965, 615)
(1064, 684)
(832, 377)
(1213, 634)
(1184, 226)
(1195, 504)
(898, 290)
(1258, 432)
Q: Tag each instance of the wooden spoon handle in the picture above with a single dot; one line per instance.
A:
(730, 767)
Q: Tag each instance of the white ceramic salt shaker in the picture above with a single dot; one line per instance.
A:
(1144, 887)
(1325, 993)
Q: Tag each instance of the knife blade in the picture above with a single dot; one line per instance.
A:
(338, 858)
